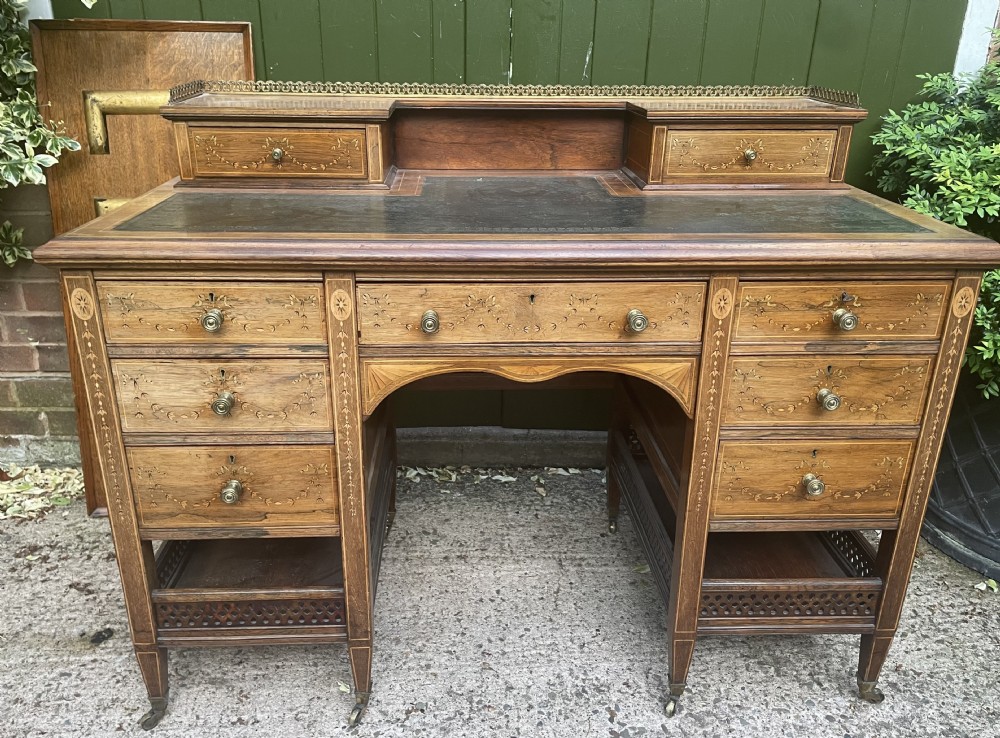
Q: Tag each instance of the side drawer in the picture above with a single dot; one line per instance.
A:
(833, 390)
(135, 312)
(181, 487)
(760, 480)
(223, 396)
(841, 311)
(338, 153)
(753, 154)
(578, 312)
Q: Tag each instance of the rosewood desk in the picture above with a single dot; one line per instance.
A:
(784, 347)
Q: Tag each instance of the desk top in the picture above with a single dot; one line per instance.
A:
(584, 218)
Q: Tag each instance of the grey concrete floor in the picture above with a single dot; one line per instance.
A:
(499, 613)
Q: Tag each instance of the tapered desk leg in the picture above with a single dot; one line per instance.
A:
(700, 453)
(897, 548)
(351, 482)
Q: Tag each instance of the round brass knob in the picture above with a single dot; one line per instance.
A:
(814, 486)
(828, 400)
(845, 319)
(635, 321)
(231, 492)
(750, 155)
(211, 321)
(224, 403)
(430, 323)
(277, 154)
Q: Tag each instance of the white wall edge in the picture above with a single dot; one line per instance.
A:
(974, 47)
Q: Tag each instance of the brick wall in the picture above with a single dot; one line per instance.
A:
(37, 421)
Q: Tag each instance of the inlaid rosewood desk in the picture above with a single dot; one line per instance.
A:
(785, 347)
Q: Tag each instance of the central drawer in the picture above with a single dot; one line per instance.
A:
(578, 312)
(758, 480)
(234, 486)
(223, 396)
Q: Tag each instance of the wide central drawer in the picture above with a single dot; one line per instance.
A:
(851, 479)
(832, 390)
(840, 311)
(212, 312)
(223, 396)
(579, 312)
(234, 486)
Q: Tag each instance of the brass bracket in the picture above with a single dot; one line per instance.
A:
(97, 105)
(104, 205)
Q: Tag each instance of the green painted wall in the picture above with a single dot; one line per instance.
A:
(875, 47)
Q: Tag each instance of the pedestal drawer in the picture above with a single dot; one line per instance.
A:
(530, 312)
(832, 390)
(222, 396)
(841, 311)
(810, 479)
(279, 314)
(234, 487)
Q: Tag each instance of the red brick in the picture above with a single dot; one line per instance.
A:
(22, 423)
(52, 358)
(17, 358)
(28, 271)
(10, 297)
(41, 297)
(41, 391)
(7, 396)
(34, 329)
(61, 422)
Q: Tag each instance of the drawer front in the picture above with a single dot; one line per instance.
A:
(756, 153)
(764, 479)
(808, 311)
(177, 396)
(278, 152)
(525, 312)
(826, 390)
(277, 485)
(212, 313)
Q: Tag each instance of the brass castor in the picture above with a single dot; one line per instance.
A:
(870, 693)
(358, 712)
(158, 708)
(670, 709)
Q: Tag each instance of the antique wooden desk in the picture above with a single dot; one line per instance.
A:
(786, 346)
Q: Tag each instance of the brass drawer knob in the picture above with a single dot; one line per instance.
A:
(635, 321)
(845, 319)
(231, 492)
(828, 400)
(750, 155)
(814, 486)
(277, 154)
(430, 323)
(211, 321)
(224, 403)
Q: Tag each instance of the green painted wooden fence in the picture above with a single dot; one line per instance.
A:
(875, 47)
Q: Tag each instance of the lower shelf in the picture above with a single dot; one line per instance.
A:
(766, 582)
(246, 592)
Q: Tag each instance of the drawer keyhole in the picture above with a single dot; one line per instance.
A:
(531, 299)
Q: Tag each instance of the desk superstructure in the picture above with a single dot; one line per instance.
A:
(785, 348)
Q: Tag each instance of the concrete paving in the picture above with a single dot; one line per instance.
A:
(500, 612)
